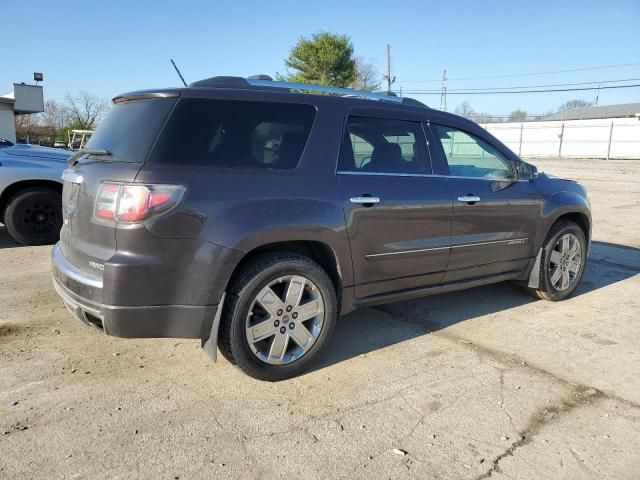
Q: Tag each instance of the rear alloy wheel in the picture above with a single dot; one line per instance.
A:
(281, 309)
(34, 216)
(564, 256)
(285, 320)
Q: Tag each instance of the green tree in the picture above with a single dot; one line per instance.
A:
(571, 104)
(323, 59)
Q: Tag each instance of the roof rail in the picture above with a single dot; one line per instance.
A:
(265, 82)
(305, 87)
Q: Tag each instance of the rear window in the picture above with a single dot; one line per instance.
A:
(130, 128)
(230, 133)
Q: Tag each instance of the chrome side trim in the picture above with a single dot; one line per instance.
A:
(513, 241)
(388, 254)
(71, 271)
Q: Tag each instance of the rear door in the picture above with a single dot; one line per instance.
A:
(495, 215)
(397, 213)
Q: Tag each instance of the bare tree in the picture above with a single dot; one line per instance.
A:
(53, 118)
(367, 77)
(85, 110)
(465, 110)
(25, 125)
(518, 115)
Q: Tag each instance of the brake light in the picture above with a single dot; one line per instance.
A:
(132, 203)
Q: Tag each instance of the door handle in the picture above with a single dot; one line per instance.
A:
(365, 200)
(471, 199)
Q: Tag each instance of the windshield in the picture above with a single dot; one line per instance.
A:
(130, 128)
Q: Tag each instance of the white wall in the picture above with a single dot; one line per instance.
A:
(580, 138)
(7, 125)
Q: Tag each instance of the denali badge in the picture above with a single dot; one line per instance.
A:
(96, 265)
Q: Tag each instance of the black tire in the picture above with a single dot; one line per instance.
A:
(34, 216)
(546, 290)
(245, 286)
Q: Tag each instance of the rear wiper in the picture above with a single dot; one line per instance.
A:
(87, 151)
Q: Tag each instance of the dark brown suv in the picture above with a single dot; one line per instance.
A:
(251, 213)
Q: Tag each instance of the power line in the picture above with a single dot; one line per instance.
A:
(532, 74)
(452, 92)
(594, 83)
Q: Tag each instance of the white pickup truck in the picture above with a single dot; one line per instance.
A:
(30, 191)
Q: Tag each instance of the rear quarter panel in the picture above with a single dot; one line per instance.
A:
(243, 209)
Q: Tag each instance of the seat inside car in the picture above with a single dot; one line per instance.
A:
(386, 157)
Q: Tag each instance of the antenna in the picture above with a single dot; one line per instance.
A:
(178, 71)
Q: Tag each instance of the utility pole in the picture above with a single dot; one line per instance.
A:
(390, 80)
(595, 100)
(443, 94)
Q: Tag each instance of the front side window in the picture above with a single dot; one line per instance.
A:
(375, 145)
(469, 156)
(230, 133)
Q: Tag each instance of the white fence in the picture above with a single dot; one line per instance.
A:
(610, 138)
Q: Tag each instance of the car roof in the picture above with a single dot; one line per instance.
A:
(261, 87)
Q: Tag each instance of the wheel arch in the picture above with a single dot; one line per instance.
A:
(16, 187)
(582, 219)
(319, 252)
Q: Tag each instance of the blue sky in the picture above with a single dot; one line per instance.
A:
(109, 47)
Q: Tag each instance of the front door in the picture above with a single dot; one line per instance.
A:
(398, 215)
(495, 215)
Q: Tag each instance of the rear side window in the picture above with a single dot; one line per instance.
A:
(376, 145)
(230, 133)
(130, 128)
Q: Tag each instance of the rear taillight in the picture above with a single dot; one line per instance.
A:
(132, 203)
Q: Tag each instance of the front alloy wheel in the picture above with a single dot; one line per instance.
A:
(565, 262)
(564, 254)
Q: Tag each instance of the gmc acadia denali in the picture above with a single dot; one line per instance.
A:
(251, 213)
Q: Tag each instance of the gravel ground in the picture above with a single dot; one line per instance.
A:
(483, 383)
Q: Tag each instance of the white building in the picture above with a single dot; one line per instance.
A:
(609, 131)
(24, 99)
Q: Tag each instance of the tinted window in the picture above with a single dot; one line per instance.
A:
(130, 128)
(383, 146)
(469, 156)
(233, 133)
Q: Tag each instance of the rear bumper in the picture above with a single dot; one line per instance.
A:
(82, 294)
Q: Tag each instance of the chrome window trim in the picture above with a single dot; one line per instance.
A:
(511, 241)
(384, 174)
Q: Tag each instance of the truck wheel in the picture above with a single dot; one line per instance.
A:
(34, 216)
(564, 255)
(280, 311)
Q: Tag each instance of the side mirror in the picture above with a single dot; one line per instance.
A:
(526, 171)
